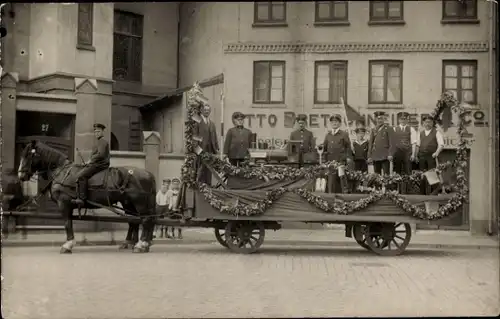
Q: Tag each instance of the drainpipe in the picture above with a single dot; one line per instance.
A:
(492, 116)
(178, 81)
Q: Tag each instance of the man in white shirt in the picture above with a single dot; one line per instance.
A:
(430, 143)
(173, 195)
(403, 146)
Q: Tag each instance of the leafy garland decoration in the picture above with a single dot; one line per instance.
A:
(188, 173)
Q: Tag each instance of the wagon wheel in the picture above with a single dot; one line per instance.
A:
(358, 231)
(246, 237)
(220, 235)
(388, 239)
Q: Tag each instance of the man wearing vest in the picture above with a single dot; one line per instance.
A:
(404, 144)
(380, 145)
(305, 137)
(337, 147)
(430, 144)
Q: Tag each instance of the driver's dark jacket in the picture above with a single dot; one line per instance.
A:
(100, 156)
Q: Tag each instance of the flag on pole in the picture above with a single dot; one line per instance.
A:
(350, 115)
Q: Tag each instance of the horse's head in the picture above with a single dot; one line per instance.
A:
(30, 161)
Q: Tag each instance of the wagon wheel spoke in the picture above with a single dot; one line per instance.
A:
(395, 243)
(245, 237)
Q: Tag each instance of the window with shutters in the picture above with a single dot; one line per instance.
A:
(269, 82)
(330, 82)
(460, 78)
(332, 11)
(386, 82)
(459, 11)
(127, 46)
(386, 11)
(269, 13)
(85, 24)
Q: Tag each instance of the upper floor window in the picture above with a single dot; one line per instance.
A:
(459, 9)
(332, 11)
(460, 77)
(270, 12)
(386, 11)
(85, 24)
(330, 81)
(386, 82)
(127, 46)
(268, 82)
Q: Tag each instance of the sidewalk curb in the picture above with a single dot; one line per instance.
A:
(345, 243)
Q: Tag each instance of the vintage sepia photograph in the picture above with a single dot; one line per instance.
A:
(270, 159)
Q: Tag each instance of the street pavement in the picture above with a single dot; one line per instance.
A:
(206, 280)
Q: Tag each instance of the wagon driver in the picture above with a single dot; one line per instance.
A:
(99, 161)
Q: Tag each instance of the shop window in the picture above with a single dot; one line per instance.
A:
(269, 82)
(381, 11)
(85, 24)
(331, 11)
(127, 46)
(455, 10)
(386, 82)
(330, 82)
(460, 78)
(270, 12)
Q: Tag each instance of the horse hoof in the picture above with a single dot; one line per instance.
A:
(125, 246)
(65, 251)
(139, 250)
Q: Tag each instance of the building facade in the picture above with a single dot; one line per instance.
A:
(69, 65)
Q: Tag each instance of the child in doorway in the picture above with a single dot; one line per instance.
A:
(173, 195)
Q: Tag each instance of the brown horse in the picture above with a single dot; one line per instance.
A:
(133, 188)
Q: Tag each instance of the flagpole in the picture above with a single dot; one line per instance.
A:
(221, 148)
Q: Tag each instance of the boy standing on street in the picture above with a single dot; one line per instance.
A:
(173, 195)
(162, 205)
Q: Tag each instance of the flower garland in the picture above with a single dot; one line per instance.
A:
(188, 173)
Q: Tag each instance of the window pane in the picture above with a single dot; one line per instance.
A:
(467, 96)
(323, 83)
(277, 83)
(377, 82)
(323, 70)
(261, 95)
(339, 10)
(323, 8)
(394, 9)
(276, 95)
(467, 83)
(339, 78)
(451, 70)
(470, 8)
(377, 95)
(451, 8)
(278, 12)
(323, 95)
(277, 71)
(378, 8)
(136, 26)
(467, 71)
(377, 70)
(393, 93)
(261, 70)
(450, 83)
(122, 24)
(85, 23)
(393, 71)
(262, 11)
(135, 63)
(120, 56)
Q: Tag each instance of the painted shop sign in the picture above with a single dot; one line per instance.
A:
(475, 118)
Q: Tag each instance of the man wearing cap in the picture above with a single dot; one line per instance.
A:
(207, 132)
(99, 161)
(430, 143)
(238, 141)
(404, 145)
(380, 145)
(303, 135)
(337, 147)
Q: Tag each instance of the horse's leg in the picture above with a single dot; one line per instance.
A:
(67, 212)
(146, 239)
(179, 233)
(129, 240)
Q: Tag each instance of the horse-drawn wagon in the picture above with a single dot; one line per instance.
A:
(255, 198)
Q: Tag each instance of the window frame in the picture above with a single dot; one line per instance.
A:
(270, 63)
(459, 18)
(80, 42)
(386, 64)
(332, 18)
(330, 63)
(270, 21)
(386, 17)
(459, 89)
(131, 35)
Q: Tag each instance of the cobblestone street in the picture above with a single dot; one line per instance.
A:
(205, 280)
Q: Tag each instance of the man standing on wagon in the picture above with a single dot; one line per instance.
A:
(380, 145)
(337, 147)
(404, 144)
(305, 137)
(207, 131)
(238, 141)
(430, 143)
